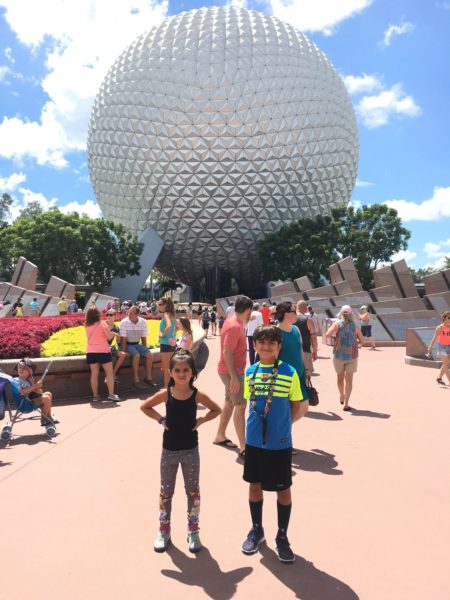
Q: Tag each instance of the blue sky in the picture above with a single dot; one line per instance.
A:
(393, 57)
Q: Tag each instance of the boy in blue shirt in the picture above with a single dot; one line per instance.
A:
(273, 390)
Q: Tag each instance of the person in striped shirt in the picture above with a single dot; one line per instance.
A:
(273, 390)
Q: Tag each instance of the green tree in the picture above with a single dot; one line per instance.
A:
(5, 203)
(370, 235)
(447, 262)
(77, 249)
(419, 274)
(31, 210)
(306, 247)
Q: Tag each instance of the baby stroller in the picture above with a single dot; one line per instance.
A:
(12, 400)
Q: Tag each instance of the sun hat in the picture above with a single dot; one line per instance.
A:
(346, 310)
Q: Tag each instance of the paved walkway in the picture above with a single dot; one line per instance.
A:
(371, 491)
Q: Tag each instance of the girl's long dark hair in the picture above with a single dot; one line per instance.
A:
(180, 356)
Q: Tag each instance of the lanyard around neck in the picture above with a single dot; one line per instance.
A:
(251, 383)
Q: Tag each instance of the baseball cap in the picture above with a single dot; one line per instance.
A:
(346, 309)
(363, 307)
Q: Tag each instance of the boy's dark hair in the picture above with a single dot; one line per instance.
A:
(242, 303)
(267, 332)
(179, 356)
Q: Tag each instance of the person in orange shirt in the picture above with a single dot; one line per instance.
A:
(442, 335)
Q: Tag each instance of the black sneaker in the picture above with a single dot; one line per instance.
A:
(254, 539)
(285, 553)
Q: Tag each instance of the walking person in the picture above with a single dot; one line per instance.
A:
(256, 319)
(231, 369)
(34, 307)
(272, 388)
(345, 351)
(206, 319)
(180, 444)
(442, 336)
(167, 335)
(291, 344)
(366, 328)
(309, 340)
(98, 352)
(213, 317)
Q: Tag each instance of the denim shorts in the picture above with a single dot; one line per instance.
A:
(444, 350)
(134, 349)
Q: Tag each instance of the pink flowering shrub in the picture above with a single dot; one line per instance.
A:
(23, 336)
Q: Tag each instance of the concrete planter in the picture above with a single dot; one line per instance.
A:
(69, 377)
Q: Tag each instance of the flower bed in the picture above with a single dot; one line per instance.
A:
(23, 336)
(72, 342)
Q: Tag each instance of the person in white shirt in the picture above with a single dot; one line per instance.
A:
(256, 319)
(230, 311)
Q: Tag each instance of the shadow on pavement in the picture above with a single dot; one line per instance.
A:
(316, 460)
(31, 440)
(305, 580)
(328, 416)
(204, 571)
(368, 413)
(202, 356)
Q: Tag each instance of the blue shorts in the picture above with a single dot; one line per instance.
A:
(445, 350)
(134, 349)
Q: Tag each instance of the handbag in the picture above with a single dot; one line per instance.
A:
(312, 392)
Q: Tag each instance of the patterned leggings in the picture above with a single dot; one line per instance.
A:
(190, 466)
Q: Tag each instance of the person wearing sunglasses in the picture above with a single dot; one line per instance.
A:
(442, 336)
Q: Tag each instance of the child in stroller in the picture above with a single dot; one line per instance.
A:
(32, 390)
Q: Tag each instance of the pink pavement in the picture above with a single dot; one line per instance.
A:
(371, 498)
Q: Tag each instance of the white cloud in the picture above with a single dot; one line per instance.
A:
(4, 72)
(82, 40)
(376, 111)
(396, 30)
(407, 255)
(432, 250)
(317, 15)
(25, 196)
(439, 264)
(363, 83)
(11, 183)
(89, 208)
(433, 209)
(363, 184)
(9, 55)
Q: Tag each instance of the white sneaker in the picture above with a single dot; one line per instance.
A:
(194, 542)
(161, 542)
(114, 398)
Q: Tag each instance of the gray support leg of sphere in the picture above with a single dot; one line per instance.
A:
(129, 287)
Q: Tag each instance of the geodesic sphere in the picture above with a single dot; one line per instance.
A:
(215, 128)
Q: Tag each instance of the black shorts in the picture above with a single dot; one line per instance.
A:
(271, 468)
(166, 348)
(366, 330)
(101, 358)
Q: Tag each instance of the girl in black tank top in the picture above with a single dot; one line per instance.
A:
(180, 443)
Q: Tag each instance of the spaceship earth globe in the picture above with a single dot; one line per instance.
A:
(215, 128)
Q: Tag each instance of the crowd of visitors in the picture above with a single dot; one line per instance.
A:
(267, 359)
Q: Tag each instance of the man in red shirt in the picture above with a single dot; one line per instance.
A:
(265, 311)
(231, 368)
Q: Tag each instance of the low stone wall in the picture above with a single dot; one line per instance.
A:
(69, 377)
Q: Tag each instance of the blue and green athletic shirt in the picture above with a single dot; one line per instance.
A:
(278, 420)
